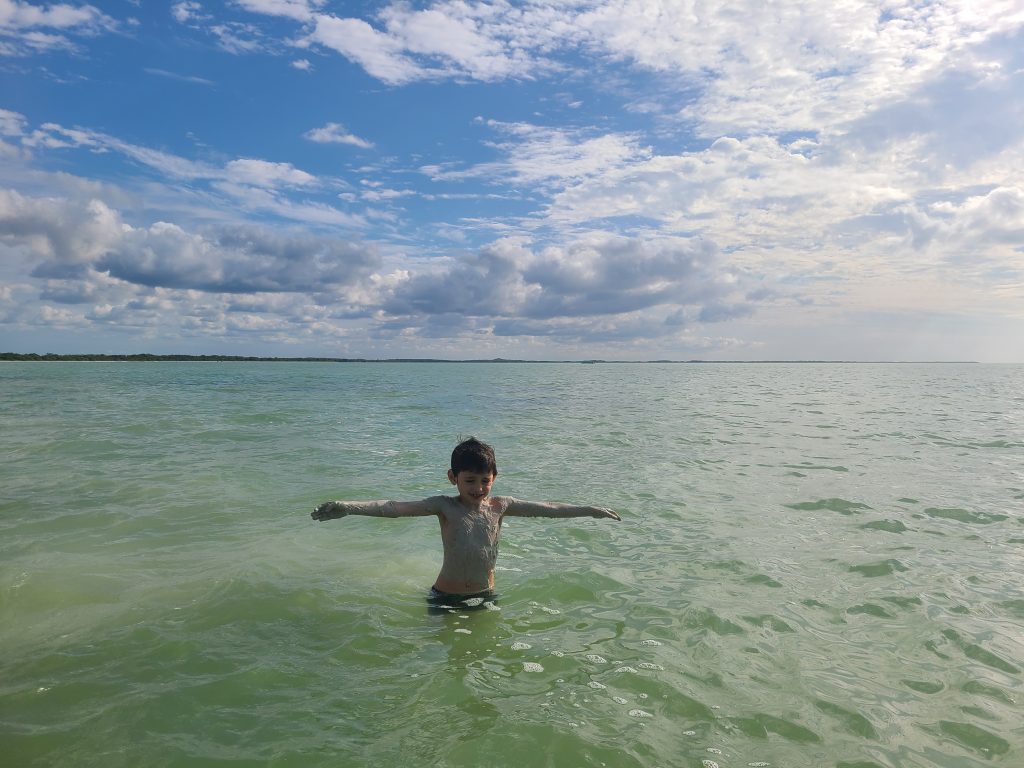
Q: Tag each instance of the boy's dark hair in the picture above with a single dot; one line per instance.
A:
(472, 455)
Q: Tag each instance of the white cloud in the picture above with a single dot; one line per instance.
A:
(12, 123)
(452, 39)
(982, 231)
(757, 68)
(64, 237)
(453, 34)
(23, 25)
(69, 240)
(238, 38)
(854, 157)
(187, 11)
(40, 42)
(300, 10)
(376, 192)
(19, 15)
(336, 133)
(235, 260)
(243, 171)
(255, 199)
(176, 76)
(600, 276)
(536, 154)
(261, 173)
(250, 184)
(379, 54)
(539, 155)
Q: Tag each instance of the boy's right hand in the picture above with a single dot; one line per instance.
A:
(329, 510)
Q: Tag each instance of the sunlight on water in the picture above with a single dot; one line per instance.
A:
(818, 565)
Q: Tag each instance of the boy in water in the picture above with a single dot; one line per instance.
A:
(470, 522)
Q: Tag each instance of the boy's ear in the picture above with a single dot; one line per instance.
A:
(451, 478)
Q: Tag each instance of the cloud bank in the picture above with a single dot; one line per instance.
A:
(618, 178)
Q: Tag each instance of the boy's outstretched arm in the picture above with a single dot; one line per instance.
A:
(519, 508)
(331, 510)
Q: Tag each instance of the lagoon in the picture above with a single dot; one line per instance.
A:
(818, 565)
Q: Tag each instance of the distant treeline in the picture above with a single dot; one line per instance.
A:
(145, 358)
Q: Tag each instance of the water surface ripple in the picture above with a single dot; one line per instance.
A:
(818, 565)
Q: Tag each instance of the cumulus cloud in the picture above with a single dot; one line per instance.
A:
(235, 260)
(66, 236)
(68, 239)
(980, 227)
(621, 275)
(521, 291)
(845, 155)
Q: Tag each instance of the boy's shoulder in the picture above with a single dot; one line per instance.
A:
(498, 503)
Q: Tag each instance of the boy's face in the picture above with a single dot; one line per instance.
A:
(473, 486)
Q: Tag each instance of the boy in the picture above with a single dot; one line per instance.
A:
(470, 522)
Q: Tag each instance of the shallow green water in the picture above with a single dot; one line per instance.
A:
(818, 565)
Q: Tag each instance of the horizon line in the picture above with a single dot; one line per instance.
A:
(172, 357)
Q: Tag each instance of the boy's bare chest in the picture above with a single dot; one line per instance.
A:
(477, 525)
(480, 526)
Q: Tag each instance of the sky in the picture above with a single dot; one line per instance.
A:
(628, 179)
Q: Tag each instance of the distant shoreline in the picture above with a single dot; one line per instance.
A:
(148, 358)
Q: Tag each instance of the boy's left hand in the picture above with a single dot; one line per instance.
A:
(604, 512)
(329, 510)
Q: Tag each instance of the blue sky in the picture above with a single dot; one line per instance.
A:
(622, 180)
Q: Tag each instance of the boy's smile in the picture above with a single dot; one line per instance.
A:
(474, 487)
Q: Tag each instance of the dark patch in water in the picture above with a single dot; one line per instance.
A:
(923, 687)
(870, 609)
(854, 722)
(889, 526)
(979, 654)
(973, 737)
(842, 506)
(964, 516)
(884, 568)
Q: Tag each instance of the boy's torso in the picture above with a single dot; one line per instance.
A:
(470, 538)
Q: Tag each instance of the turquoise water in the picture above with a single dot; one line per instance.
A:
(818, 565)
